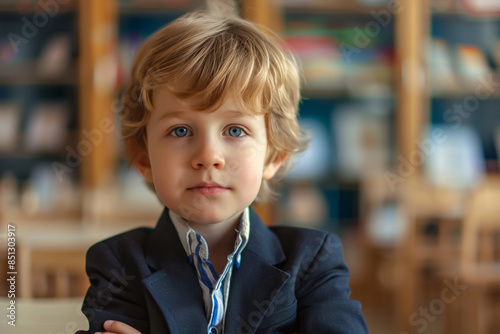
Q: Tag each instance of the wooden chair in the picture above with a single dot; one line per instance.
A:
(52, 272)
(374, 254)
(53, 269)
(430, 246)
(59, 274)
(480, 255)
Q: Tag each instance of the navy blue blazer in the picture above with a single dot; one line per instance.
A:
(291, 280)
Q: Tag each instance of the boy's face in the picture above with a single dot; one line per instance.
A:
(206, 166)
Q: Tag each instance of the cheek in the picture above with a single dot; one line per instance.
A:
(246, 155)
(163, 185)
(248, 168)
(165, 169)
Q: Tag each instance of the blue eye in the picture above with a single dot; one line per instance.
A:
(235, 131)
(180, 131)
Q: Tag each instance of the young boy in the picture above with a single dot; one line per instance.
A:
(209, 118)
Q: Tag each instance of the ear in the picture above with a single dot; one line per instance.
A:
(143, 165)
(271, 169)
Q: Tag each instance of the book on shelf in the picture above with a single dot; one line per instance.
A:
(496, 54)
(10, 117)
(472, 65)
(48, 194)
(316, 161)
(321, 61)
(127, 47)
(457, 161)
(443, 78)
(47, 127)
(7, 53)
(327, 68)
(480, 7)
(55, 58)
(361, 139)
(43, 192)
(370, 80)
(443, 5)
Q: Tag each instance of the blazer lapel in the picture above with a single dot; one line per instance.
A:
(174, 286)
(248, 305)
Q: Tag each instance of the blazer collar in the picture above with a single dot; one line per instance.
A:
(174, 283)
(258, 282)
(164, 245)
(263, 242)
(176, 289)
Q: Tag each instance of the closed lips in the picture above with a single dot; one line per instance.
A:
(208, 188)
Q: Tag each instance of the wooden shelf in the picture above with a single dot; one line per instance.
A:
(331, 7)
(24, 154)
(156, 7)
(19, 152)
(465, 15)
(26, 74)
(460, 95)
(329, 94)
(30, 6)
(448, 12)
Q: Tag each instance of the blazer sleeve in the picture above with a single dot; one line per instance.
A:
(114, 292)
(323, 291)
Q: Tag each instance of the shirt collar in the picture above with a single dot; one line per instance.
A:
(185, 232)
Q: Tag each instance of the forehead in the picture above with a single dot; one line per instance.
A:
(166, 101)
(163, 99)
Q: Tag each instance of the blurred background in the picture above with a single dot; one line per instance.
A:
(400, 97)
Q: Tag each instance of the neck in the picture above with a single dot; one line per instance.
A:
(220, 237)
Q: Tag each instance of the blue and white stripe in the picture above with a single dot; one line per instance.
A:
(215, 288)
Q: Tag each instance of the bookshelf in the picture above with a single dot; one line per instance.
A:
(460, 97)
(386, 80)
(348, 52)
(469, 40)
(93, 81)
(422, 95)
(407, 40)
(386, 42)
(82, 70)
(38, 107)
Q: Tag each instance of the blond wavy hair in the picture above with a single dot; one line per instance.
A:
(206, 58)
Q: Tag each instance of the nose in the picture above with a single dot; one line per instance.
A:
(208, 154)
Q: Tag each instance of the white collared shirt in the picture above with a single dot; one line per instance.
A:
(215, 288)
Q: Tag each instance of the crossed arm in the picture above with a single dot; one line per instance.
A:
(117, 327)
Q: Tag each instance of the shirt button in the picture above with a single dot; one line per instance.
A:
(213, 330)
